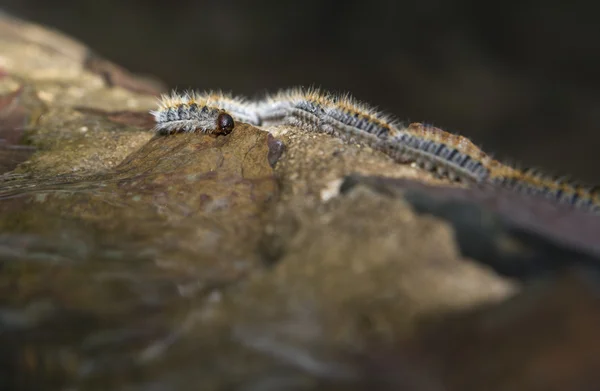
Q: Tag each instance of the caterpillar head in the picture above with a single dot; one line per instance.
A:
(225, 123)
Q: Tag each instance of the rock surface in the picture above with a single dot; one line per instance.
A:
(136, 262)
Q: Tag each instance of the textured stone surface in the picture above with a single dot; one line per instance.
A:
(520, 236)
(542, 339)
(133, 261)
(14, 119)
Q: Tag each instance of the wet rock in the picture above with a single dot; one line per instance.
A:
(276, 148)
(520, 236)
(541, 339)
(185, 194)
(176, 220)
(109, 234)
(355, 272)
(50, 50)
(135, 261)
(115, 75)
(14, 120)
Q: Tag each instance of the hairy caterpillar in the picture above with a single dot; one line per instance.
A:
(207, 113)
(433, 149)
(447, 154)
(350, 120)
(560, 189)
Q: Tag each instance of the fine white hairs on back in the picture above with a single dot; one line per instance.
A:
(342, 116)
(348, 119)
(191, 112)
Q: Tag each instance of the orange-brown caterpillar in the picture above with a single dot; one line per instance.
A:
(560, 189)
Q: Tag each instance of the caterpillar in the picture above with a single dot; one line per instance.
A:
(445, 154)
(559, 189)
(350, 120)
(211, 113)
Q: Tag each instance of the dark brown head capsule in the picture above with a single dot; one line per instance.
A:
(224, 123)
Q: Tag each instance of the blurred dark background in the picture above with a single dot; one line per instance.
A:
(521, 79)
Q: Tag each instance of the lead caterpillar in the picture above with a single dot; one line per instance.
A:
(446, 154)
(211, 113)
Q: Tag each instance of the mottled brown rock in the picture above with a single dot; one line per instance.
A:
(276, 148)
(65, 50)
(136, 261)
(14, 119)
(355, 270)
(173, 190)
(177, 219)
(143, 120)
(115, 75)
(544, 339)
(521, 236)
(26, 33)
(315, 164)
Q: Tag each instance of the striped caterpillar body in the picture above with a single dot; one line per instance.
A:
(350, 120)
(560, 189)
(342, 117)
(436, 150)
(191, 112)
(446, 154)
